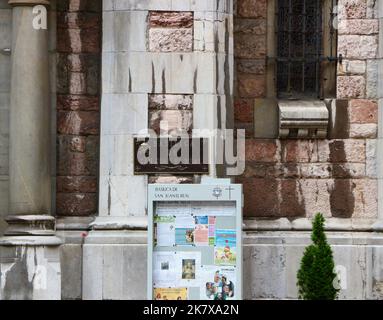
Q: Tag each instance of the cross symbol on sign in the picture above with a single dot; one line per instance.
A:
(229, 189)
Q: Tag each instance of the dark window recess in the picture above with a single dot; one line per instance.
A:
(300, 44)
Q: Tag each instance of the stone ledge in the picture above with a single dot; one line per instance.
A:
(30, 241)
(249, 224)
(305, 224)
(303, 238)
(120, 223)
(74, 223)
(274, 238)
(116, 237)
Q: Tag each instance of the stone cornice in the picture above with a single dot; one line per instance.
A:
(28, 2)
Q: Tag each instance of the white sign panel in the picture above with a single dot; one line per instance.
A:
(195, 242)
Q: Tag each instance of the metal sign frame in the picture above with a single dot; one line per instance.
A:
(195, 192)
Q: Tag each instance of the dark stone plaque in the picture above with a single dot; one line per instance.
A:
(156, 155)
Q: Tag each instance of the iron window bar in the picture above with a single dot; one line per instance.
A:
(299, 47)
(321, 58)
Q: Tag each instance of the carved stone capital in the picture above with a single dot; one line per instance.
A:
(303, 119)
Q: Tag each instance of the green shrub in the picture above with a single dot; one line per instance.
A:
(316, 274)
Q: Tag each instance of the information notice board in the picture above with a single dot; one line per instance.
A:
(195, 242)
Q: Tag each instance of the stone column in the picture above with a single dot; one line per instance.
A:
(29, 257)
(379, 224)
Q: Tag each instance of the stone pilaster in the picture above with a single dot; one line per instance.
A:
(379, 224)
(29, 257)
(177, 54)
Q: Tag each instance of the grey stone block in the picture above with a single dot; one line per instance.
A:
(71, 275)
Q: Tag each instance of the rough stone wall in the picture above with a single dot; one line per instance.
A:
(250, 49)
(5, 73)
(297, 178)
(78, 104)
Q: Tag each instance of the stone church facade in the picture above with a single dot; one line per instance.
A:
(303, 78)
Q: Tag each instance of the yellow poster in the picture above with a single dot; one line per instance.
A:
(170, 293)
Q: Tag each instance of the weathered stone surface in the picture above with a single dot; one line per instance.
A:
(359, 26)
(170, 40)
(358, 47)
(348, 170)
(372, 82)
(112, 270)
(170, 102)
(251, 26)
(78, 122)
(77, 83)
(352, 9)
(261, 150)
(249, 46)
(170, 179)
(366, 130)
(351, 87)
(252, 8)
(371, 158)
(251, 86)
(78, 20)
(298, 151)
(72, 184)
(175, 120)
(335, 151)
(71, 271)
(272, 198)
(33, 272)
(365, 192)
(77, 144)
(79, 5)
(76, 204)
(244, 110)
(251, 66)
(165, 19)
(73, 164)
(350, 67)
(314, 170)
(363, 111)
(77, 103)
(247, 126)
(343, 197)
(77, 163)
(78, 40)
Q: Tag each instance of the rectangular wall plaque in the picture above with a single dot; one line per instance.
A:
(153, 156)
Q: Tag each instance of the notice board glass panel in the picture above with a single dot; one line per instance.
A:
(195, 242)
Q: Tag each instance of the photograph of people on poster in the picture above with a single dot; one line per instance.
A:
(184, 236)
(170, 294)
(225, 247)
(218, 283)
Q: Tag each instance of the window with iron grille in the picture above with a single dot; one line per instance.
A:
(306, 48)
